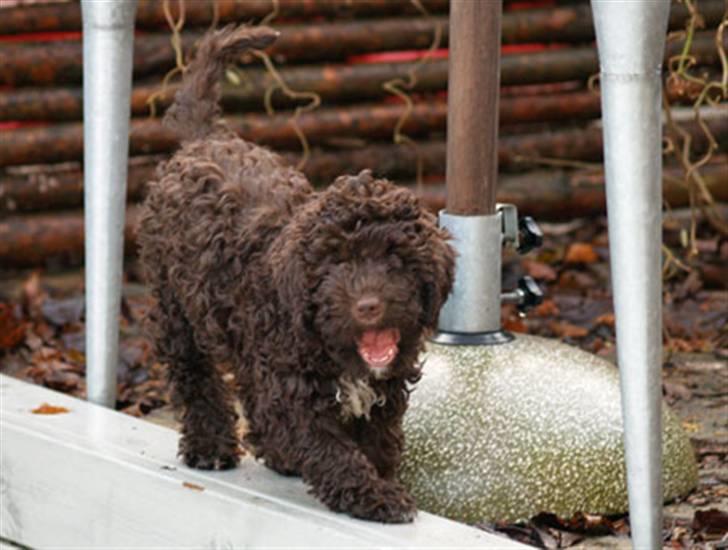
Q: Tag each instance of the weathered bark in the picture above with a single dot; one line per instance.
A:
(46, 188)
(566, 194)
(332, 82)
(150, 13)
(40, 188)
(562, 23)
(61, 62)
(64, 142)
(52, 239)
(65, 104)
(573, 23)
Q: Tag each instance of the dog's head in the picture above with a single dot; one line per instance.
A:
(364, 271)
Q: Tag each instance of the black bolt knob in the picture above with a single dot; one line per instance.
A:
(530, 293)
(530, 235)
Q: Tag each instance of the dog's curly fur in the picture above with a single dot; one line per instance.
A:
(253, 268)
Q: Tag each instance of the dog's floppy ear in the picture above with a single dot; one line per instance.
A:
(435, 264)
(292, 281)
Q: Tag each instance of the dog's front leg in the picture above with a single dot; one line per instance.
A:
(383, 442)
(344, 478)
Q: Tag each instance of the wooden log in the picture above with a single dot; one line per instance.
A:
(574, 23)
(47, 187)
(569, 23)
(332, 82)
(64, 142)
(60, 62)
(51, 240)
(56, 239)
(565, 194)
(351, 82)
(338, 40)
(66, 103)
(39, 63)
(150, 13)
(42, 239)
(40, 188)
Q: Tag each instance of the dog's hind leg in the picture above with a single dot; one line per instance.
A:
(209, 440)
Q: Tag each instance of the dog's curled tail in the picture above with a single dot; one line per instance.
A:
(195, 113)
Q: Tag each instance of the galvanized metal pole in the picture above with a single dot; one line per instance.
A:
(108, 33)
(472, 167)
(631, 40)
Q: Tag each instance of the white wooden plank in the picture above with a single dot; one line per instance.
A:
(95, 478)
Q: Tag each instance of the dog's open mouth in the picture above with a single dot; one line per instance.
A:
(378, 348)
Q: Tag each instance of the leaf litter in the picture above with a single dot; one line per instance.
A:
(42, 340)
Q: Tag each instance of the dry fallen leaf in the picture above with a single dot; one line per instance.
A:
(12, 331)
(45, 408)
(547, 308)
(576, 280)
(514, 324)
(193, 486)
(539, 270)
(33, 294)
(564, 329)
(606, 319)
(711, 521)
(581, 253)
(691, 427)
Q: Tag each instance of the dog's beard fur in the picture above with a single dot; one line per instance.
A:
(357, 397)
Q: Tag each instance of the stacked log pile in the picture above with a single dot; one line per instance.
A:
(348, 54)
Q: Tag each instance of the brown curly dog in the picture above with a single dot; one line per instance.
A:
(320, 301)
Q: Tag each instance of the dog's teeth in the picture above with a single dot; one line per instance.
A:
(375, 361)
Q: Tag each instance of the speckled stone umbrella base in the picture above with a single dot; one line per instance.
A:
(507, 431)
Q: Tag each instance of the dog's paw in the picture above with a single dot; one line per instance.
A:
(387, 503)
(210, 456)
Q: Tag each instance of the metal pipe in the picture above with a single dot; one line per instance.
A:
(631, 40)
(108, 34)
(472, 168)
(474, 304)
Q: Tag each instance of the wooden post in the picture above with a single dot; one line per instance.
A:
(473, 89)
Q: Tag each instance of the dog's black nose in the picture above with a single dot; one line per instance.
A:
(369, 309)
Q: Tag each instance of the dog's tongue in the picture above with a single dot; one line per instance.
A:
(378, 348)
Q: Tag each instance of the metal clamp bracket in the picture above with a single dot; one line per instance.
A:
(522, 234)
(509, 223)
